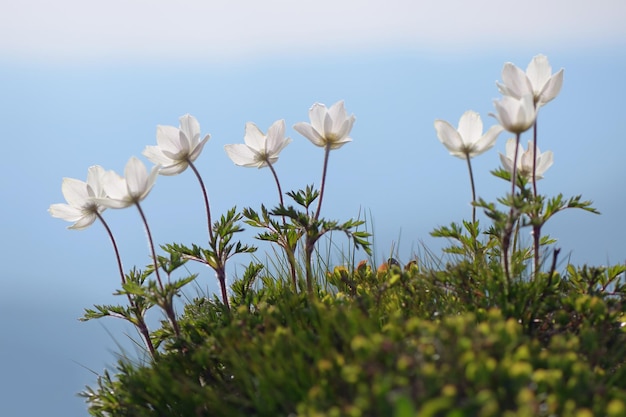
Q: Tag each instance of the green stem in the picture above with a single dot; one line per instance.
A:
(506, 240)
(319, 206)
(141, 324)
(167, 304)
(290, 256)
(206, 198)
(471, 175)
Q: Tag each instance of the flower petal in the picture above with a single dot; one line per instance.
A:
(515, 82)
(198, 148)
(75, 192)
(65, 212)
(552, 88)
(191, 129)
(538, 72)
(470, 127)
(450, 138)
(254, 138)
(310, 133)
(242, 155)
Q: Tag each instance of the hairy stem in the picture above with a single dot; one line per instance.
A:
(141, 324)
(290, 256)
(319, 205)
(206, 199)
(167, 304)
(506, 239)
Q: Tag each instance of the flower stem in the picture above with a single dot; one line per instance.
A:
(117, 252)
(280, 191)
(206, 198)
(290, 256)
(141, 324)
(319, 206)
(535, 159)
(167, 304)
(471, 175)
(151, 244)
(506, 239)
(536, 229)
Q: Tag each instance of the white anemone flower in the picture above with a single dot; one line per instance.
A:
(516, 115)
(125, 191)
(176, 147)
(259, 150)
(329, 127)
(468, 140)
(81, 207)
(538, 80)
(525, 160)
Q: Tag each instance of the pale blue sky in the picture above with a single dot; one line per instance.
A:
(90, 86)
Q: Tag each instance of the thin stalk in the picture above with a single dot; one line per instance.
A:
(290, 256)
(141, 324)
(536, 229)
(471, 175)
(151, 244)
(117, 252)
(535, 159)
(221, 277)
(280, 191)
(167, 305)
(509, 227)
(206, 199)
(319, 206)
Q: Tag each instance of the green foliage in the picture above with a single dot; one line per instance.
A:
(392, 342)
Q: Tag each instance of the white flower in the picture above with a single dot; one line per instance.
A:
(538, 81)
(81, 208)
(515, 115)
(525, 160)
(128, 190)
(328, 127)
(468, 140)
(176, 147)
(259, 149)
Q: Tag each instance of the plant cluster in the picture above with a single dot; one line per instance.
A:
(493, 327)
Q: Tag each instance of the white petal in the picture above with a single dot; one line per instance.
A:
(450, 138)
(170, 140)
(65, 212)
(75, 192)
(190, 128)
(174, 169)
(339, 143)
(94, 180)
(198, 149)
(507, 163)
(136, 176)
(241, 155)
(154, 172)
(317, 115)
(156, 156)
(552, 88)
(486, 141)
(539, 72)
(254, 138)
(310, 133)
(516, 81)
(470, 127)
(114, 186)
(544, 162)
(84, 222)
(114, 203)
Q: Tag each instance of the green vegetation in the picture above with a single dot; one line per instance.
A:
(390, 343)
(493, 327)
